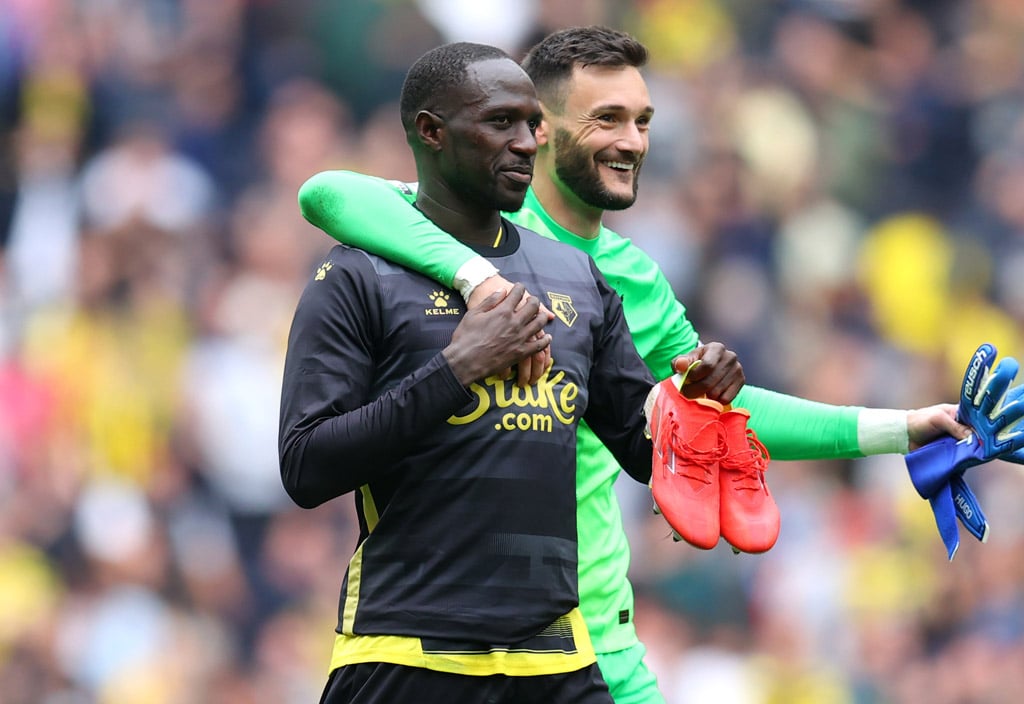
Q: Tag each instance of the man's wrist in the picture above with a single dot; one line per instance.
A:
(882, 431)
(471, 274)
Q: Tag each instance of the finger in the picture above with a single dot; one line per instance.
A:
(722, 384)
(726, 391)
(536, 353)
(524, 371)
(694, 389)
(950, 427)
(1009, 414)
(716, 355)
(711, 354)
(528, 349)
(524, 299)
(518, 295)
(726, 395)
(946, 422)
(544, 357)
(700, 378)
(538, 364)
(977, 369)
(535, 325)
(527, 308)
(515, 296)
(544, 309)
(700, 373)
(681, 363)
(530, 307)
(541, 344)
(996, 385)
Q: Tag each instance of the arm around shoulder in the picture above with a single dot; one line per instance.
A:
(373, 215)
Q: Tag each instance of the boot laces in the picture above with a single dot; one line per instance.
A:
(695, 463)
(749, 464)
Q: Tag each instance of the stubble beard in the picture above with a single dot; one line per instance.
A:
(575, 167)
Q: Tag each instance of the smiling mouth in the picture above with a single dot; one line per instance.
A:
(619, 166)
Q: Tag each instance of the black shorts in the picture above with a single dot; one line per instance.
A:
(384, 683)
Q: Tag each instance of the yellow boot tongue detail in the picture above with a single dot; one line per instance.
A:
(680, 379)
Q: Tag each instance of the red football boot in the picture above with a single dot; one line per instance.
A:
(688, 442)
(748, 515)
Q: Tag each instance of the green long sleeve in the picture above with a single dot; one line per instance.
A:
(796, 429)
(372, 214)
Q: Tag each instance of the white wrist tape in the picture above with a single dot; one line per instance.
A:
(472, 274)
(882, 431)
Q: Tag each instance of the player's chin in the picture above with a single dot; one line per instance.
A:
(511, 200)
(618, 199)
(620, 191)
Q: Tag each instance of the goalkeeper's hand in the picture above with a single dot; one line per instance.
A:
(994, 411)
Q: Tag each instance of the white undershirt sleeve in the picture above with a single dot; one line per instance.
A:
(472, 274)
(882, 431)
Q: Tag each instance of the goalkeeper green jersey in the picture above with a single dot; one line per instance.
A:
(652, 313)
(363, 212)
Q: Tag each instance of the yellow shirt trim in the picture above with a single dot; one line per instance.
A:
(369, 508)
(355, 570)
(500, 660)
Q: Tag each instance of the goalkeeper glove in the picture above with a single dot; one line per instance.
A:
(994, 412)
(991, 406)
(936, 471)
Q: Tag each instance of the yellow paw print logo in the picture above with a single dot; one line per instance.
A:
(321, 272)
(440, 299)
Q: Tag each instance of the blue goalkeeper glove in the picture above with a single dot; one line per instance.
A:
(936, 471)
(994, 411)
(991, 406)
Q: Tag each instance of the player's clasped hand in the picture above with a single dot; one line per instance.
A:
(529, 369)
(719, 376)
(497, 334)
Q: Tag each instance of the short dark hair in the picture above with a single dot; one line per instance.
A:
(551, 61)
(437, 74)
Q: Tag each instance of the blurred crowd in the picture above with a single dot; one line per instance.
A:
(835, 189)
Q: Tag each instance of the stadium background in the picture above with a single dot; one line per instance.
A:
(835, 188)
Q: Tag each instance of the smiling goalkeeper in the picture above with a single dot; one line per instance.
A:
(591, 145)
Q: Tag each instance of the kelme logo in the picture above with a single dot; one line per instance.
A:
(321, 272)
(441, 305)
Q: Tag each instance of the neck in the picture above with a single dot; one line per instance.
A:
(567, 210)
(464, 224)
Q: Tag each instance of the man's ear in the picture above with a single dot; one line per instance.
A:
(544, 128)
(429, 128)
